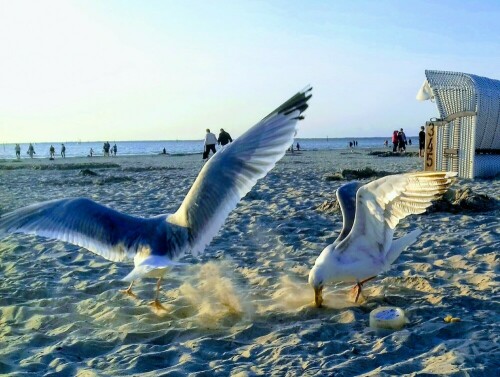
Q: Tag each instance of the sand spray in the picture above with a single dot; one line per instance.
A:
(291, 293)
(214, 291)
(219, 299)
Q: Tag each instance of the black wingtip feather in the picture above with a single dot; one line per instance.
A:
(297, 102)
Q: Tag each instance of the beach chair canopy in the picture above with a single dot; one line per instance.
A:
(456, 92)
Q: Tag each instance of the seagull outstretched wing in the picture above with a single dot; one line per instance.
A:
(233, 171)
(381, 204)
(113, 235)
(222, 182)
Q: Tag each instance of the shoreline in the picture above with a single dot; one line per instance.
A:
(58, 159)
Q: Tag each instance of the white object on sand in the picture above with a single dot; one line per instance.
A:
(156, 243)
(387, 317)
(371, 212)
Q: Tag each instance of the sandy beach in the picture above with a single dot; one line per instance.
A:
(244, 308)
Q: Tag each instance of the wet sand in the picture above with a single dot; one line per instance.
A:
(244, 307)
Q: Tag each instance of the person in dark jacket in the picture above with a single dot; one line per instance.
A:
(401, 141)
(421, 142)
(224, 137)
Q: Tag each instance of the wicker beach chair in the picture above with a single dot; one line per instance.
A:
(475, 137)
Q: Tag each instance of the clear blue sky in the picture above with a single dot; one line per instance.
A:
(146, 70)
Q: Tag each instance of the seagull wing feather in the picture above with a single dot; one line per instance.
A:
(381, 204)
(232, 172)
(113, 235)
(346, 196)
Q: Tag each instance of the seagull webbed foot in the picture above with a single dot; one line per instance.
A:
(128, 291)
(157, 306)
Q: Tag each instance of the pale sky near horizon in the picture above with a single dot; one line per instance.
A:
(164, 70)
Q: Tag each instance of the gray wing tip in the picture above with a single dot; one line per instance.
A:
(346, 195)
(349, 189)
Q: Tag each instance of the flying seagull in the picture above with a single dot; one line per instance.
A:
(156, 243)
(371, 212)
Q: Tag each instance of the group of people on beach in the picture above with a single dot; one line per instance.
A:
(106, 149)
(399, 141)
(291, 148)
(52, 152)
(31, 151)
(211, 140)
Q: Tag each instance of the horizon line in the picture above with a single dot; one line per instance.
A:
(176, 140)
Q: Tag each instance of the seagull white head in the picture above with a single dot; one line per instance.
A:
(322, 273)
(317, 281)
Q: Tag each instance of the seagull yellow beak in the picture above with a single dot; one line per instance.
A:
(318, 296)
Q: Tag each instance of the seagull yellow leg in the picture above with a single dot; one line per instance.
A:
(359, 286)
(128, 291)
(156, 303)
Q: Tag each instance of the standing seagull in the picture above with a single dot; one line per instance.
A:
(371, 212)
(156, 243)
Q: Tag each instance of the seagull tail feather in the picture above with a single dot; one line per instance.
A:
(151, 268)
(139, 272)
(400, 244)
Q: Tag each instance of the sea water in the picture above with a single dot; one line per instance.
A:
(173, 147)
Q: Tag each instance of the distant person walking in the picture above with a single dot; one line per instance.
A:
(115, 149)
(210, 141)
(52, 152)
(31, 150)
(224, 138)
(298, 146)
(91, 152)
(401, 141)
(63, 151)
(421, 142)
(105, 149)
(18, 151)
(395, 141)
